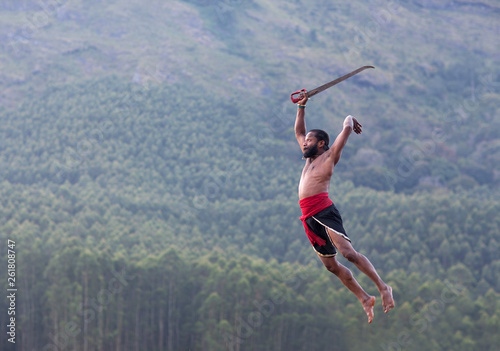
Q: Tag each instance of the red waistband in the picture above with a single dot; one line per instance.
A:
(314, 204)
(310, 206)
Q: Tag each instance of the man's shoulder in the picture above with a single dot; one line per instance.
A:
(326, 156)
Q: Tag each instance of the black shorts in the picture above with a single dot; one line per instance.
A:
(328, 218)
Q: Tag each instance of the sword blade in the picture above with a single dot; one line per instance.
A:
(336, 81)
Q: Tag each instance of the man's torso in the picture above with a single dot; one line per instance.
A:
(315, 177)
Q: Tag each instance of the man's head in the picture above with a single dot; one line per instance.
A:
(316, 142)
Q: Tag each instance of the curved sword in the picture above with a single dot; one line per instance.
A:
(325, 86)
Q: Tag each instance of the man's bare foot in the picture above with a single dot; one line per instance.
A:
(387, 299)
(368, 307)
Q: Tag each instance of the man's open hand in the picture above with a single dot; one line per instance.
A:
(356, 126)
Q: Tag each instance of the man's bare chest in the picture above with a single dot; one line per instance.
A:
(316, 170)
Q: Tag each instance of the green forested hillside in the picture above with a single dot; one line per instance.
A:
(428, 108)
(148, 173)
(117, 181)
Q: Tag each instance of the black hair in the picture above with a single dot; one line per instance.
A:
(321, 135)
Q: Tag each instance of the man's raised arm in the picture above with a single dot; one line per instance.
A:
(300, 123)
(350, 124)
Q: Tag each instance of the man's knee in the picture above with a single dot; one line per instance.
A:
(351, 255)
(332, 267)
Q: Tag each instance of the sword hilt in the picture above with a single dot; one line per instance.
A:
(300, 94)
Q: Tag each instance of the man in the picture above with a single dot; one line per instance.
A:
(321, 218)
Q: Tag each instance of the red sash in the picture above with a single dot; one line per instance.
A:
(310, 206)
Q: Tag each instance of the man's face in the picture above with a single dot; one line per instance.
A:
(310, 145)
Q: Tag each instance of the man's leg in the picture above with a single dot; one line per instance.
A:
(345, 275)
(365, 266)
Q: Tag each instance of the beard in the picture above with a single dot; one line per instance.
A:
(311, 151)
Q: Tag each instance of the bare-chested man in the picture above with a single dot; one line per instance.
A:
(321, 218)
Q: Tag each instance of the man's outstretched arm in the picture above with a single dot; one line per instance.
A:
(300, 123)
(350, 124)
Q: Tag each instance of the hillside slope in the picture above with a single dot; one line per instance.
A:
(154, 142)
(428, 108)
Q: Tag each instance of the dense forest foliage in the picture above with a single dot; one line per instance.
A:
(143, 222)
(149, 172)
